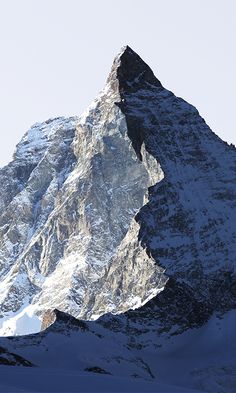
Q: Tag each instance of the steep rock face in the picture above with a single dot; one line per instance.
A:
(72, 221)
(30, 184)
(95, 209)
(188, 225)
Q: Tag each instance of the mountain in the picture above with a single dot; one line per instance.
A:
(134, 200)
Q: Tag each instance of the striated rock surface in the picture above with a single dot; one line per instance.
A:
(98, 212)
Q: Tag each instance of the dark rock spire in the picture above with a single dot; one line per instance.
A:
(131, 71)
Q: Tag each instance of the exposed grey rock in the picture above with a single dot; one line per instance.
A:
(98, 211)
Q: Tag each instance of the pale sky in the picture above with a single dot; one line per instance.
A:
(56, 54)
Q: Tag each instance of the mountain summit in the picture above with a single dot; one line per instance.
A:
(134, 200)
(130, 71)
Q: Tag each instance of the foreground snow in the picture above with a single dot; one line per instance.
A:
(121, 354)
(41, 381)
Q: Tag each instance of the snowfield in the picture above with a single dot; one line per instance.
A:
(119, 354)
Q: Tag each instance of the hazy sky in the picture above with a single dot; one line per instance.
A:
(56, 54)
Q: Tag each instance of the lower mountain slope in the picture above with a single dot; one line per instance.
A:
(124, 352)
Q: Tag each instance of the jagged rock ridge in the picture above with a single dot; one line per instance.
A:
(94, 210)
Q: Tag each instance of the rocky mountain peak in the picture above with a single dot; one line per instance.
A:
(131, 71)
(128, 202)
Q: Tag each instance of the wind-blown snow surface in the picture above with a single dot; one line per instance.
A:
(122, 353)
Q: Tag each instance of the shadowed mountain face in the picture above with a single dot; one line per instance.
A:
(132, 201)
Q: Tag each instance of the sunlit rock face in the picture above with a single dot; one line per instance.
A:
(99, 211)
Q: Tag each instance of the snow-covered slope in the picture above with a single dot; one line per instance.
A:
(132, 200)
(112, 353)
